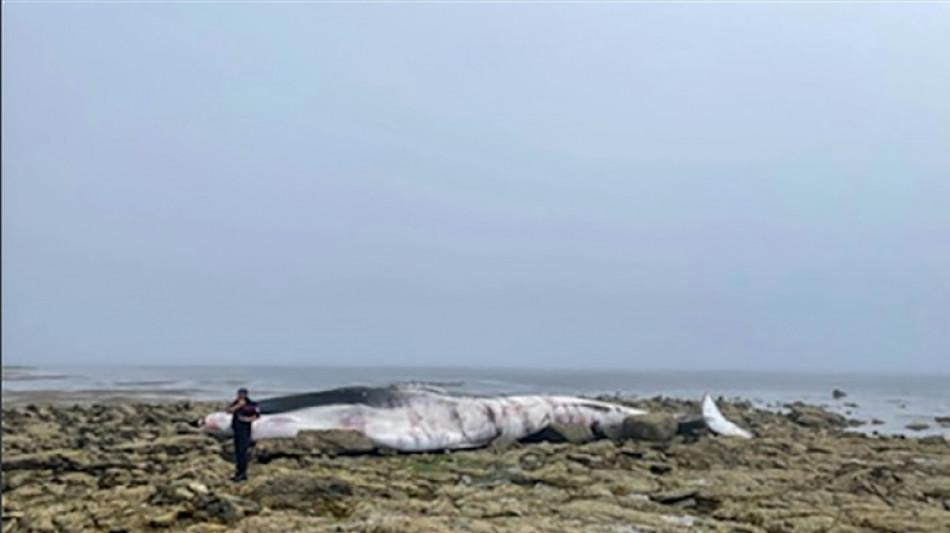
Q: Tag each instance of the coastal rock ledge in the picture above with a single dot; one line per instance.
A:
(142, 468)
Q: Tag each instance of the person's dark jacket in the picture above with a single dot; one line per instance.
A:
(243, 415)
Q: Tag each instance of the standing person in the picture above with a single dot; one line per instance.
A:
(244, 411)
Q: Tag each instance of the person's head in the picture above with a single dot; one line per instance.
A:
(242, 393)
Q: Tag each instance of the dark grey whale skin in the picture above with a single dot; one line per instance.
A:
(383, 397)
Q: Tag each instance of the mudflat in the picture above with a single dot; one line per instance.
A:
(131, 466)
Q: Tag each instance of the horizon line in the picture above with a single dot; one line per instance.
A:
(475, 367)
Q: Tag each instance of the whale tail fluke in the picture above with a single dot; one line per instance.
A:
(719, 424)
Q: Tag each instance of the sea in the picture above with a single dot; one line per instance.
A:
(892, 401)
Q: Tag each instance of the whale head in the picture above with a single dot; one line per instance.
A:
(218, 423)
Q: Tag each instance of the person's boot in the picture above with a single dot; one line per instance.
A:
(237, 478)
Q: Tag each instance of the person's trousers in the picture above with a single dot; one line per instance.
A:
(242, 442)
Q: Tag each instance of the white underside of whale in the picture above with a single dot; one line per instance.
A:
(434, 422)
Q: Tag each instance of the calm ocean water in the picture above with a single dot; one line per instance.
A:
(896, 399)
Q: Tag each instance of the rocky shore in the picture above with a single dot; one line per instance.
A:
(144, 467)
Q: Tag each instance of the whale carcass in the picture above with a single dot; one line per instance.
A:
(418, 418)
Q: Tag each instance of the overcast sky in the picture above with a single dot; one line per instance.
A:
(760, 186)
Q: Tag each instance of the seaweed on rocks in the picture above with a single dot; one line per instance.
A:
(142, 467)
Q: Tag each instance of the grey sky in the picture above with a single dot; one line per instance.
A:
(755, 186)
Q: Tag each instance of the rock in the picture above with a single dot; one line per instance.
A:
(306, 493)
(944, 421)
(197, 488)
(589, 460)
(184, 428)
(222, 509)
(673, 497)
(192, 500)
(171, 446)
(314, 443)
(165, 519)
(917, 426)
(131, 476)
(174, 493)
(633, 454)
(72, 521)
(654, 427)
(15, 480)
(530, 461)
(837, 394)
(877, 421)
(151, 417)
(572, 433)
(114, 477)
(614, 433)
(503, 444)
(816, 417)
(811, 421)
(604, 449)
(554, 474)
(59, 460)
(817, 448)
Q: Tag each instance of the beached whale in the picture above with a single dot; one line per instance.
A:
(418, 418)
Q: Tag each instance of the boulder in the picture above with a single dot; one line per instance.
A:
(816, 417)
(656, 427)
